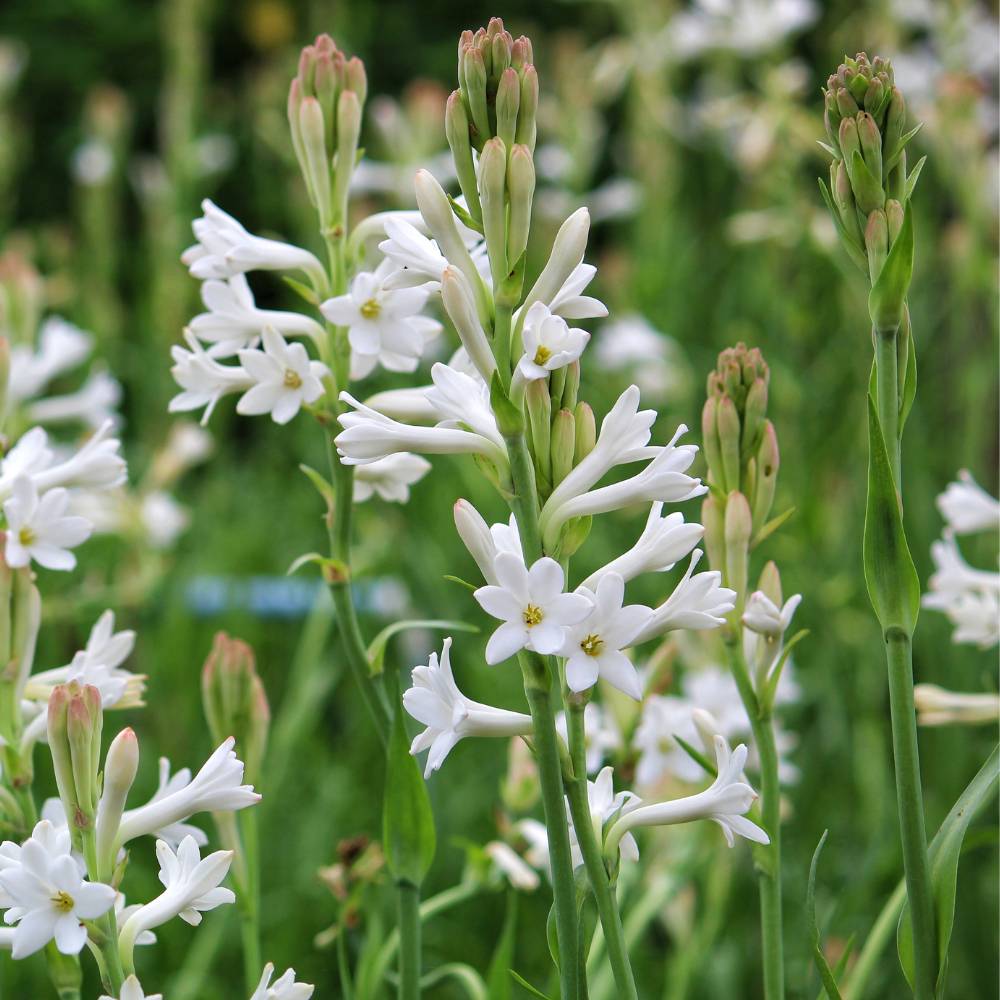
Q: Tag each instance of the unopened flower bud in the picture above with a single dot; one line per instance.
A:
(571, 386)
(710, 438)
(712, 518)
(4, 377)
(728, 423)
(456, 127)
(521, 54)
(527, 128)
(754, 412)
(120, 768)
(843, 196)
(895, 123)
(519, 790)
(521, 191)
(876, 243)
(739, 529)
(234, 701)
(538, 404)
(769, 582)
(850, 141)
(459, 303)
(846, 104)
(356, 79)
(766, 478)
(871, 144)
(894, 218)
(315, 163)
(567, 252)
(507, 102)
(348, 136)
(472, 78)
(563, 445)
(492, 190)
(586, 432)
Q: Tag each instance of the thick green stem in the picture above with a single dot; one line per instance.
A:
(769, 871)
(909, 799)
(408, 897)
(593, 858)
(524, 500)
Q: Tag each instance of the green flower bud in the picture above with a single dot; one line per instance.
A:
(586, 432)
(538, 405)
(456, 127)
(868, 190)
(871, 144)
(120, 768)
(738, 531)
(356, 79)
(521, 191)
(492, 191)
(894, 215)
(769, 583)
(895, 123)
(846, 104)
(315, 163)
(713, 520)
(728, 423)
(521, 54)
(348, 135)
(850, 142)
(473, 86)
(766, 478)
(527, 128)
(753, 418)
(563, 445)
(507, 102)
(710, 439)
(876, 243)
(843, 197)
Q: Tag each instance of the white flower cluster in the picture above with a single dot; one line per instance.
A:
(969, 597)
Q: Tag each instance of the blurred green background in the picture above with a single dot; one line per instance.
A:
(118, 116)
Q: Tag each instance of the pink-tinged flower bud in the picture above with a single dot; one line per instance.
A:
(507, 102)
(768, 460)
(456, 127)
(527, 128)
(586, 432)
(492, 191)
(769, 582)
(712, 518)
(356, 79)
(501, 46)
(894, 216)
(754, 413)
(846, 104)
(562, 446)
(315, 163)
(728, 423)
(738, 529)
(473, 86)
(850, 141)
(521, 192)
(521, 54)
(876, 243)
(871, 144)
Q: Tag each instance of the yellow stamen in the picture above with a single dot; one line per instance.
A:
(592, 645)
(532, 615)
(26, 536)
(371, 309)
(542, 355)
(63, 902)
(292, 379)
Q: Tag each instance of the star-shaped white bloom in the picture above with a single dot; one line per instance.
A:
(531, 603)
(967, 507)
(593, 648)
(284, 378)
(416, 258)
(132, 990)
(38, 528)
(606, 806)
(969, 597)
(202, 379)
(436, 701)
(225, 248)
(61, 347)
(664, 717)
(570, 302)
(390, 477)
(765, 618)
(47, 896)
(549, 343)
(283, 988)
(383, 324)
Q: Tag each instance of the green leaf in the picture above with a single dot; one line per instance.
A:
(498, 976)
(893, 158)
(510, 420)
(302, 289)
(944, 853)
(699, 758)
(408, 834)
(771, 527)
(850, 244)
(461, 582)
(466, 977)
(306, 557)
(822, 966)
(376, 650)
(888, 294)
(914, 176)
(323, 486)
(893, 586)
(521, 981)
(909, 383)
(464, 217)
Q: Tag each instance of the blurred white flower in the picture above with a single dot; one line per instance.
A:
(132, 990)
(549, 343)
(663, 718)
(283, 988)
(532, 606)
(746, 27)
(630, 344)
(225, 248)
(163, 519)
(94, 403)
(969, 597)
(967, 507)
(601, 735)
(937, 706)
(61, 347)
(47, 897)
(512, 866)
(202, 379)
(284, 378)
(436, 701)
(39, 530)
(606, 807)
(390, 477)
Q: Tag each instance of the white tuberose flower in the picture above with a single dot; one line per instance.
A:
(967, 507)
(39, 530)
(48, 897)
(284, 379)
(283, 988)
(937, 706)
(225, 248)
(132, 990)
(202, 379)
(390, 477)
(606, 806)
(531, 603)
(549, 343)
(435, 700)
(594, 646)
(724, 802)
(61, 347)
(484, 542)
(216, 787)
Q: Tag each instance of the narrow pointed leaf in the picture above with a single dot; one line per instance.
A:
(521, 981)
(853, 250)
(376, 650)
(822, 966)
(914, 176)
(885, 301)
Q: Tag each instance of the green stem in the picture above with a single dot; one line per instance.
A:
(250, 902)
(408, 896)
(501, 342)
(768, 872)
(524, 500)
(887, 393)
(593, 859)
(909, 799)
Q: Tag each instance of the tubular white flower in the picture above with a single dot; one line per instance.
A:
(191, 887)
(549, 343)
(483, 542)
(216, 787)
(168, 784)
(132, 990)
(202, 379)
(969, 597)
(463, 400)
(383, 325)
(417, 258)
(567, 253)
(92, 404)
(698, 602)
(967, 507)
(47, 896)
(29, 456)
(724, 802)
(38, 529)
(232, 320)
(937, 706)
(283, 988)
(436, 701)
(532, 606)
(663, 543)
(225, 249)
(765, 618)
(601, 735)
(61, 347)
(390, 477)
(593, 647)
(284, 379)
(460, 304)
(512, 866)
(606, 806)
(409, 405)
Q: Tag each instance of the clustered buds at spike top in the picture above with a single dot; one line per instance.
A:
(864, 116)
(75, 722)
(235, 702)
(324, 115)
